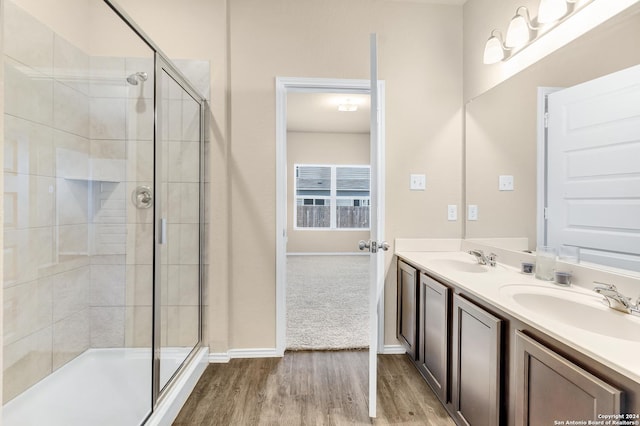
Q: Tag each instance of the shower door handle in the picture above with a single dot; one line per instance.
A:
(162, 239)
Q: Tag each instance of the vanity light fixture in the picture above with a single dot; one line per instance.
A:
(519, 31)
(551, 10)
(494, 49)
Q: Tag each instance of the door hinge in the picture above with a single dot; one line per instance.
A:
(546, 212)
(546, 120)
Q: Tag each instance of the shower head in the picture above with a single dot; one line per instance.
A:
(133, 79)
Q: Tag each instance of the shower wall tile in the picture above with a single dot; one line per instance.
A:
(139, 285)
(27, 40)
(71, 155)
(28, 147)
(190, 120)
(26, 253)
(30, 201)
(70, 65)
(107, 285)
(107, 117)
(140, 160)
(198, 73)
(72, 201)
(107, 327)
(184, 164)
(140, 124)
(183, 202)
(28, 93)
(71, 292)
(71, 337)
(26, 362)
(73, 239)
(108, 160)
(139, 326)
(182, 329)
(140, 244)
(70, 110)
(183, 290)
(27, 308)
(108, 77)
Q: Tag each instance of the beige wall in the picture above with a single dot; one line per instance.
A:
(323, 148)
(501, 126)
(423, 114)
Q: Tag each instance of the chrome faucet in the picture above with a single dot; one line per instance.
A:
(617, 300)
(482, 259)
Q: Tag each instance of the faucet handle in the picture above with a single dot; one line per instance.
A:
(604, 286)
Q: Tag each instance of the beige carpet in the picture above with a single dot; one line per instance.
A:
(327, 302)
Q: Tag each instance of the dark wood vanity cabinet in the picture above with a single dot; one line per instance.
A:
(433, 339)
(476, 360)
(490, 369)
(407, 321)
(550, 388)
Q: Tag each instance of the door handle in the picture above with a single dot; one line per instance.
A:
(373, 246)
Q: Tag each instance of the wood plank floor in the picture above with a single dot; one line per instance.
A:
(311, 388)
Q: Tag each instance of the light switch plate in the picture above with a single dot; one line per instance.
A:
(452, 212)
(473, 212)
(505, 183)
(418, 182)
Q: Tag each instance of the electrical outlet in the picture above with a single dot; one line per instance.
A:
(452, 212)
(473, 212)
(505, 183)
(418, 182)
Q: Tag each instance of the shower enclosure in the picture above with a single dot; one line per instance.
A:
(103, 228)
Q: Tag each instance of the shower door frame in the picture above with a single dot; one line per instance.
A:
(163, 65)
(163, 61)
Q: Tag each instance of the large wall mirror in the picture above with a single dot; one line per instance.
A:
(501, 126)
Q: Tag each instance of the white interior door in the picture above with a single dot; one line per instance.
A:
(377, 246)
(593, 169)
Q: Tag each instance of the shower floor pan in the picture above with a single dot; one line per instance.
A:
(99, 387)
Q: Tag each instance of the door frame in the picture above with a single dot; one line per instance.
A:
(285, 85)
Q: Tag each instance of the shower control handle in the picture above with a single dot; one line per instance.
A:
(142, 197)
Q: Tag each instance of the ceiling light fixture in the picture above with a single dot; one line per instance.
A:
(347, 106)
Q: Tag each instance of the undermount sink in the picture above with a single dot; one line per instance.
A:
(574, 308)
(461, 265)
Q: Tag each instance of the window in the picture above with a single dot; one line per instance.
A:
(332, 197)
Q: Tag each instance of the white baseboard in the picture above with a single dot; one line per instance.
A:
(348, 253)
(222, 357)
(393, 350)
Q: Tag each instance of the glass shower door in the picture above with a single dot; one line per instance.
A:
(178, 221)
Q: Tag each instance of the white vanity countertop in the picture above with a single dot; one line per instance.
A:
(494, 285)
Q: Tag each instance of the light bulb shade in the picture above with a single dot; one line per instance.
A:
(551, 10)
(493, 50)
(518, 33)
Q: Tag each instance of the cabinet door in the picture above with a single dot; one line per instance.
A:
(433, 346)
(476, 364)
(549, 387)
(406, 324)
